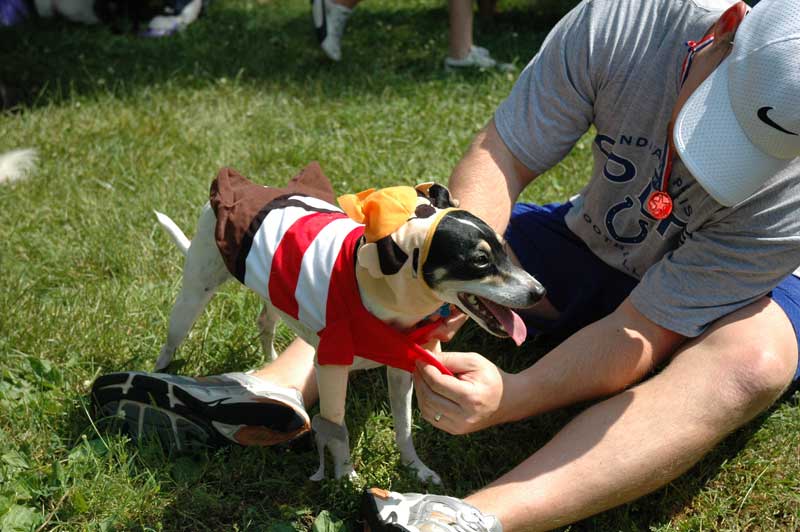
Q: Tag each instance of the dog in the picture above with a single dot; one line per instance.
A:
(153, 18)
(397, 256)
(75, 10)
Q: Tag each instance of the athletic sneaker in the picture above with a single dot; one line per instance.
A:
(184, 412)
(330, 19)
(413, 512)
(478, 57)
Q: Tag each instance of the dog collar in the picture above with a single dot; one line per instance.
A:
(426, 244)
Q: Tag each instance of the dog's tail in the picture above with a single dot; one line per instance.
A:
(174, 232)
(17, 165)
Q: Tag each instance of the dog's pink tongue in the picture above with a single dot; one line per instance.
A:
(509, 320)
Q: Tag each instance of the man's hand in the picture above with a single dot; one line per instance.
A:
(470, 401)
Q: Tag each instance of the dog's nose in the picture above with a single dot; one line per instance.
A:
(537, 292)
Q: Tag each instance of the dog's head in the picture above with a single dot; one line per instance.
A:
(425, 251)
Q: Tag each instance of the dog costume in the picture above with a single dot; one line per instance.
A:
(296, 249)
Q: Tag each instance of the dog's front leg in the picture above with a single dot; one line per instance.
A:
(329, 429)
(401, 387)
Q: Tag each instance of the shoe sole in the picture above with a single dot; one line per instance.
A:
(263, 423)
(371, 513)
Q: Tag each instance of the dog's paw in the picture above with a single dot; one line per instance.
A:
(318, 476)
(426, 474)
(346, 472)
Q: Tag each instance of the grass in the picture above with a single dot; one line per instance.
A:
(127, 125)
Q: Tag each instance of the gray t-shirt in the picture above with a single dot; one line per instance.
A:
(616, 64)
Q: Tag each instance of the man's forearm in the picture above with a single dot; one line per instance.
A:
(488, 179)
(597, 361)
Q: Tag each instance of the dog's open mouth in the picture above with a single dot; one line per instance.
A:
(499, 320)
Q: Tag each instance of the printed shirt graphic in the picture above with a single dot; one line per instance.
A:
(303, 262)
(615, 64)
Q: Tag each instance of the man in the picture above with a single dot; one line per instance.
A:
(678, 254)
(710, 289)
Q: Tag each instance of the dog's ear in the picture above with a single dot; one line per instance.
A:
(368, 258)
(391, 257)
(437, 194)
(382, 258)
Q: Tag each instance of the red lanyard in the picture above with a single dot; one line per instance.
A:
(659, 204)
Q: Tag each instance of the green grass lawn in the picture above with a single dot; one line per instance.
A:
(125, 126)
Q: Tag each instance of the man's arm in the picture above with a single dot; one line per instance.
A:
(599, 360)
(488, 179)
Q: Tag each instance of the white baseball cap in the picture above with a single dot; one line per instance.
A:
(741, 126)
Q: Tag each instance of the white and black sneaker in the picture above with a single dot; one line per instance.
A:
(330, 20)
(478, 58)
(386, 511)
(185, 413)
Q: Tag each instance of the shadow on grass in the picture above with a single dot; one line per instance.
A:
(264, 45)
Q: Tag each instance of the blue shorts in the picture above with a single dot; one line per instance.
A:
(582, 287)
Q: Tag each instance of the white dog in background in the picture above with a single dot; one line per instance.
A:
(16, 165)
(156, 23)
(74, 10)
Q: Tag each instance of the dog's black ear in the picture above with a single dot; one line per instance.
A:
(437, 194)
(381, 258)
(390, 256)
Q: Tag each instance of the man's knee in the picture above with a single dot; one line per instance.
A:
(761, 374)
(758, 354)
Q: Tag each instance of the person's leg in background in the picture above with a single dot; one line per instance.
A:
(461, 51)
(330, 18)
(460, 36)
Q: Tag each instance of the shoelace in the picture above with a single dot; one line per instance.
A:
(472, 519)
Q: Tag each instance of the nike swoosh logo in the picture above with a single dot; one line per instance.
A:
(764, 117)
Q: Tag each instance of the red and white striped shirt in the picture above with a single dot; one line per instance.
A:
(302, 259)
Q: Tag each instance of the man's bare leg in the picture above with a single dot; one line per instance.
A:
(460, 33)
(294, 368)
(640, 439)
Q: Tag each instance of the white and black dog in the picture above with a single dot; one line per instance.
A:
(410, 251)
(158, 17)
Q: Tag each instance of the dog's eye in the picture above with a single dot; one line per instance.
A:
(481, 260)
